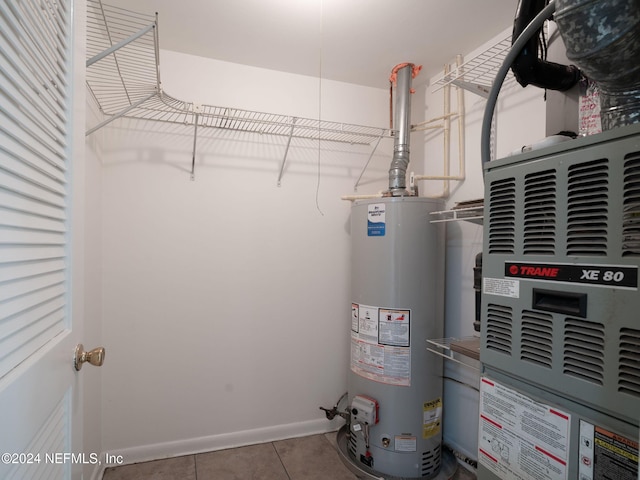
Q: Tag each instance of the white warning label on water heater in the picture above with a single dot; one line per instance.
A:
(393, 327)
(376, 223)
(355, 315)
(519, 437)
(367, 323)
(380, 348)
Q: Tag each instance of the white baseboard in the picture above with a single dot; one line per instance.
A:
(157, 451)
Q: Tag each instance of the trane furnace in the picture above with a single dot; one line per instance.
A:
(560, 348)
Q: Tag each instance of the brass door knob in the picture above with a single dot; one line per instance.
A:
(94, 357)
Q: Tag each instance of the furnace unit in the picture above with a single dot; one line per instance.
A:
(560, 395)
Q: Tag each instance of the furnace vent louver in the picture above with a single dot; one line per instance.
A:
(587, 209)
(631, 208)
(537, 338)
(584, 350)
(502, 216)
(629, 365)
(499, 328)
(540, 213)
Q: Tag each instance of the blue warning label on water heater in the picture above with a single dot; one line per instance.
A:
(376, 220)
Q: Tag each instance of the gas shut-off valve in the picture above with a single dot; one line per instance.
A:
(333, 412)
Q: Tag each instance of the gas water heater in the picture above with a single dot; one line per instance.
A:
(394, 417)
(395, 384)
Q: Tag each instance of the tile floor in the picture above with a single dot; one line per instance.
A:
(306, 458)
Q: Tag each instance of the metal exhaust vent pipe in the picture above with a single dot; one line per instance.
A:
(402, 127)
(603, 39)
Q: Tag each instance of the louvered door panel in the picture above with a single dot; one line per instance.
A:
(50, 439)
(34, 93)
(37, 336)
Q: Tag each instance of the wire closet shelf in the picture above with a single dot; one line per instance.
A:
(123, 76)
(477, 74)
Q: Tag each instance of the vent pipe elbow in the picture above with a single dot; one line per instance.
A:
(402, 130)
(603, 39)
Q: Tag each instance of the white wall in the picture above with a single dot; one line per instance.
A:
(226, 299)
(520, 121)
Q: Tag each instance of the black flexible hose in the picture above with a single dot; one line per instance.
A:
(527, 33)
(528, 67)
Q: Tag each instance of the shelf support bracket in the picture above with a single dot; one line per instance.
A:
(480, 90)
(120, 44)
(293, 124)
(195, 138)
(375, 147)
(120, 114)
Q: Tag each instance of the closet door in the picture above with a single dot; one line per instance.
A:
(39, 408)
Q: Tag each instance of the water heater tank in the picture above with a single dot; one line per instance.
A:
(397, 290)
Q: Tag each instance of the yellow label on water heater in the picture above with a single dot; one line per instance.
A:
(431, 418)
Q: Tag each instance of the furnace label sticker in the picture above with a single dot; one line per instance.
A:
(605, 454)
(589, 121)
(519, 437)
(394, 327)
(431, 418)
(501, 286)
(376, 223)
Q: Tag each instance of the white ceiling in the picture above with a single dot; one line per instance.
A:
(355, 41)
